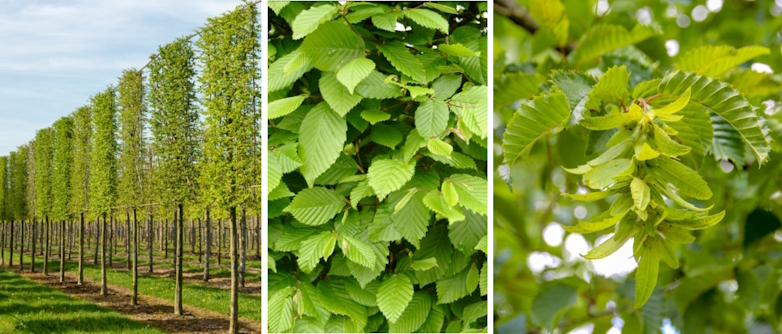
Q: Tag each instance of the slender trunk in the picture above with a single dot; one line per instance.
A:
(111, 238)
(134, 297)
(47, 231)
(21, 245)
(243, 245)
(97, 238)
(174, 228)
(180, 223)
(258, 238)
(32, 257)
(81, 249)
(150, 243)
(103, 289)
(200, 251)
(192, 238)
(233, 327)
(165, 254)
(2, 246)
(219, 238)
(70, 239)
(127, 237)
(11, 259)
(208, 246)
(62, 252)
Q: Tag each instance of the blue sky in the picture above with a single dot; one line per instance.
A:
(55, 54)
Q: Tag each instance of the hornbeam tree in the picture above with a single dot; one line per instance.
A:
(43, 187)
(132, 177)
(229, 46)
(61, 180)
(103, 166)
(174, 125)
(4, 195)
(30, 198)
(79, 190)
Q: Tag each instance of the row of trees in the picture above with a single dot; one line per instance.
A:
(150, 146)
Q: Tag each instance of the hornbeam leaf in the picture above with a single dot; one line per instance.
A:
(375, 87)
(354, 72)
(699, 223)
(611, 88)
(715, 60)
(727, 105)
(604, 38)
(274, 173)
(535, 119)
(400, 57)
(441, 7)
(394, 294)
(375, 116)
(281, 310)
(361, 191)
(297, 63)
(431, 118)
(666, 145)
(665, 252)
(285, 106)
(645, 152)
(676, 234)
(454, 288)
(686, 180)
(439, 147)
(315, 206)
(472, 192)
(331, 44)
(412, 219)
(640, 192)
(323, 133)
(590, 197)
(425, 264)
(428, 18)
(339, 97)
(608, 247)
(457, 50)
(357, 251)
(604, 175)
(386, 135)
(309, 20)
(278, 79)
(414, 315)
(386, 21)
(437, 203)
(389, 175)
(449, 192)
(645, 275)
(677, 105)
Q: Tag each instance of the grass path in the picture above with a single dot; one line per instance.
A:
(29, 307)
(195, 295)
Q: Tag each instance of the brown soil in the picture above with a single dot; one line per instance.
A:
(154, 311)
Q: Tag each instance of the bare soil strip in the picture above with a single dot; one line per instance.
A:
(157, 312)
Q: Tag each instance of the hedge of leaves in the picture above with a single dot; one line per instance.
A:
(377, 167)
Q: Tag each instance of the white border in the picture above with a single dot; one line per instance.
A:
(264, 166)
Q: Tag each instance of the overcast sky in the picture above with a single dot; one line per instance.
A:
(55, 54)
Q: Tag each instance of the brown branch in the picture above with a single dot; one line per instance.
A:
(521, 17)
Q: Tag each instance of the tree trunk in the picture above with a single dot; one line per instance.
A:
(243, 245)
(11, 259)
(180, 224)
(134, 297)
(70, 239)
(150, 243)
(219, 238)
(62, 251)
(233, 327)
(258, 238)
(208, 246)
(97, 238)
(111, 238)
(127, 238)
(165, 236)
(32, 257)
(81, 249)
(103, 289)
(21, 245)
(47, 231)
(2, 246)
(174, 237)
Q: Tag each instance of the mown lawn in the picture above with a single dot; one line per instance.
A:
(29, 307)
(192, 294)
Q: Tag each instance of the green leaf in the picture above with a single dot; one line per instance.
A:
(400, 57)
(331, 44)
(645, 276)
(604, 38)
(727, 106)
(439, 147)
(335, 298)
(434, 245)
(441, 7)
(425, 264)
(389, 175)
(534, 120)
(551, 299)
(414, 315)
(686, 180)
(449, 193)
(357, 251)
(281, 310)
(484, 280)
(466, 235)
(677, 105)
(611, 88)
(454, 288)
(437, 203)
(361, 191)
(279, 80)
(285, 106)
(473, 192)
(457, 50)
(431, 118)
(412, 219)
(608, 247)
(386, 21)
(375, 116)
(315, 206)
(366, 297)
(715, 60)
(640, 192)
(428, 18)
(604, 175)
(312, 250)
(416, 91)
(394, 294)
(354, 72)
(374, 86)
(274, 172)
(309, 20)
(699, 223)
(386, 135)
(323, 132)
(666, 145)
(297, 63)
(339, 98)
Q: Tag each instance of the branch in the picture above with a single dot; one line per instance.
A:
(521, 17)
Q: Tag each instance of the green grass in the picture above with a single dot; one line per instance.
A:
(196, 295)
(29, 307)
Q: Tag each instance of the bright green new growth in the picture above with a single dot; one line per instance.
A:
(132, 118)
(103, 153)
(62, 165)
(44, 151)
(80, 176)
(649, 131)
(5, 195)
(18, 178)
(377, 168)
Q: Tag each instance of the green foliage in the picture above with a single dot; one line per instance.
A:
(62, 167)
(17, 171)
(174, 122)
(80, 175)
(5, 189)
(44, 152)
(377, 187)
(634, 151)
(132, 118)
(103, 154)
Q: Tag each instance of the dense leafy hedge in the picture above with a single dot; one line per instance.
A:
(609, 135)
(377, 167)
